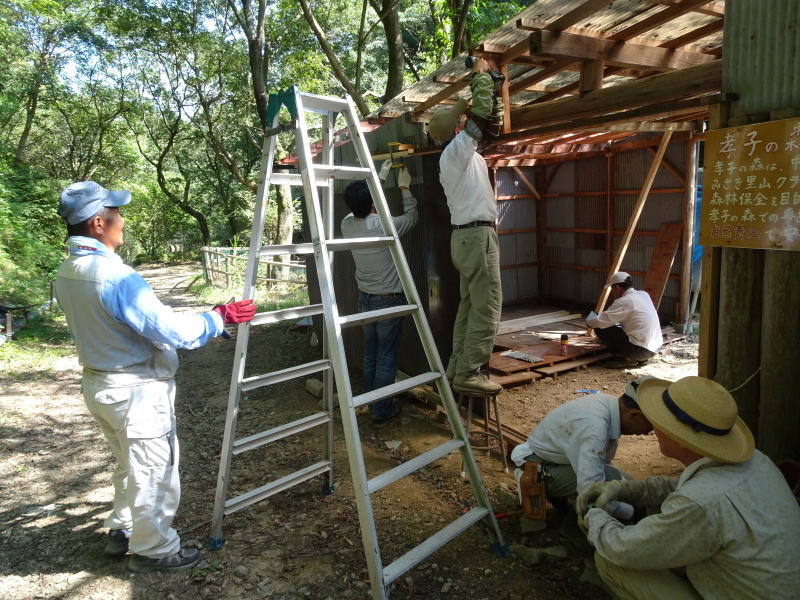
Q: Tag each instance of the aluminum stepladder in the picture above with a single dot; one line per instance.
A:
(317, 180)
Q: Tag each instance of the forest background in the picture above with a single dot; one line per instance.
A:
(168, 99)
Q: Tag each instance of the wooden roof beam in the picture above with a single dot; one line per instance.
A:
(443, 95)
(693, 36)
(653, 111)
(615, 53)
(708, 9)
(657, 19)
(577, 14)
(648, 126)
(673, 85)
(522, 83)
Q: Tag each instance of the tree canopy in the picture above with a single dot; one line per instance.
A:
(168, 98)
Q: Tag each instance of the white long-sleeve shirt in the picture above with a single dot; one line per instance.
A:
(734, 527)
(582, 433)
(375, 270)
(635, 312)
(465, 179)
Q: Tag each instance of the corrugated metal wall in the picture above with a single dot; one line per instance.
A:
(762, 41)
(577, 199)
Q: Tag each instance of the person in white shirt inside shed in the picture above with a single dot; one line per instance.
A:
(629, 328)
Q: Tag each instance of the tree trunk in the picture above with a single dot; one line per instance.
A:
(394, 43)
(30, 114)
(285, 225)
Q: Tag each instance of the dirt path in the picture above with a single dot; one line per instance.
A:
(56, 473)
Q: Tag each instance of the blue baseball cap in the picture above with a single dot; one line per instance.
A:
(81, 201)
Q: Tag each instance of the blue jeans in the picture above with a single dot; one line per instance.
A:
(381, 342)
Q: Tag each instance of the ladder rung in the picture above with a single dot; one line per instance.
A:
(359, 243)
(258, 381)
(314, 103)
(415, 464)
(284, 483)
(377, 315)
(341, 172)
(278, 433)
(293, 179)
(286, 314)
(280, 249)
(395, 388)
(432, 544)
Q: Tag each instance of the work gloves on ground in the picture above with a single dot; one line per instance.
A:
(597, 495)
(236, 312)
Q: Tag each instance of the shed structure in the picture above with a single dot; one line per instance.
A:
(594, 92)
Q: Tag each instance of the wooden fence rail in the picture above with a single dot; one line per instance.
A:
(231, 263)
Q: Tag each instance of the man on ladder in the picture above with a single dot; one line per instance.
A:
(379, 286)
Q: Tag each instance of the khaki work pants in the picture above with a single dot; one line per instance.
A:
(476, 254)
(632, 584)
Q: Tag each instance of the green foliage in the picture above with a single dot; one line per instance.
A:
(34, 348)
(31, 234)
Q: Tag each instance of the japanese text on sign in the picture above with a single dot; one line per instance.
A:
(751, 187)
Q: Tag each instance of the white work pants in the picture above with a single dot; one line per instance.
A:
(139, 424)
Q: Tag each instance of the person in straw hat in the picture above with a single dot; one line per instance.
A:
(728, 527)
(474, 246)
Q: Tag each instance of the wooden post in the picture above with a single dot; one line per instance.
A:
(52, 295)
(779, 380)
(634, 218)
(688, 229)
(709, 291)
(739, 329)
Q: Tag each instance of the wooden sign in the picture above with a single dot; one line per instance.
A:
(751, 187)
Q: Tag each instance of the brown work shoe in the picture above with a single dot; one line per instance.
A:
(620, 362)
(476, 383)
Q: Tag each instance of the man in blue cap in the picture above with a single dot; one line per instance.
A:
(126, 341)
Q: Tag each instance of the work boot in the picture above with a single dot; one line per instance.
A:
(621, 362)
(117, 543)
(476, 382)
(182, 560)
(394, 415)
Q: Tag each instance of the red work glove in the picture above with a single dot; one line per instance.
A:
(236, 312)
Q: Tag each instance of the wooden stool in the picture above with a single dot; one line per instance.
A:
(487, 399)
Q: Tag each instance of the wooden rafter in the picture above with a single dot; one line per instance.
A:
(673, 85)
(621, 54)
(694, 35)
(657, 19)
(577, 14)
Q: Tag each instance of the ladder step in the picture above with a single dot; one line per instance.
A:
(293, 179)
(341, 172)
(415, 464)
(359, 243)
(396, 388)
(258, 381)
(432, 544)
(315, 103)
(280, 249)
(377, 315)
(278, 433)
(286, 314)
(274, 487)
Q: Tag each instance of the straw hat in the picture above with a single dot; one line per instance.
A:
(699, 414)
(443, 122)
